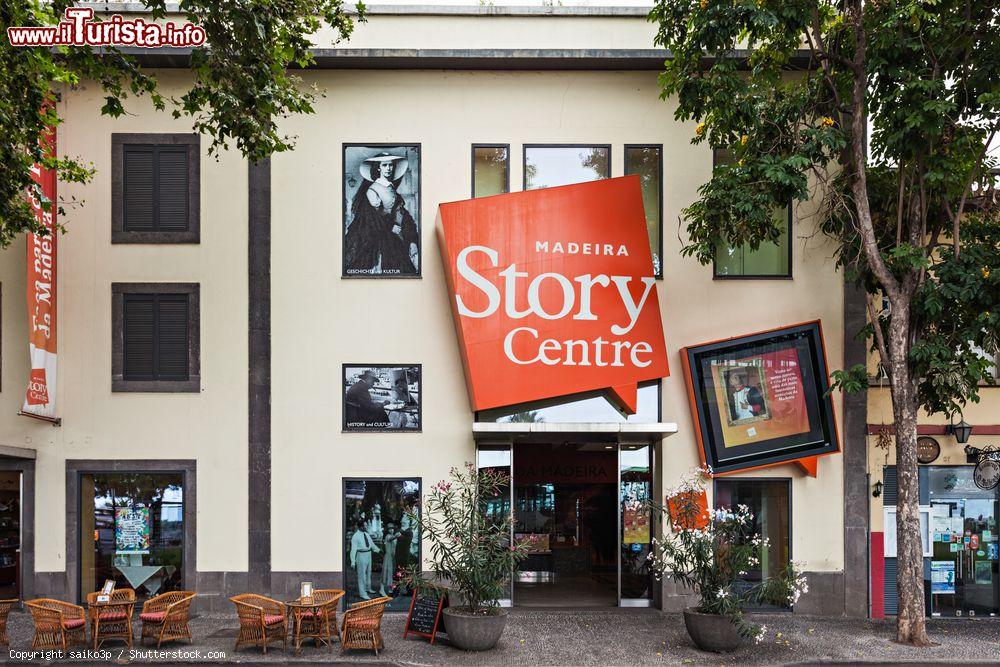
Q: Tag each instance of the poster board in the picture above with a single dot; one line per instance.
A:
(889, 526)
(424, 617)
(942, 577)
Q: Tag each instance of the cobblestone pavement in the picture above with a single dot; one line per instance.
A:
(611, 637)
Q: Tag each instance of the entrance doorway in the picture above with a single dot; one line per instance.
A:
(10, 534)
(565, 502)
(583, 508)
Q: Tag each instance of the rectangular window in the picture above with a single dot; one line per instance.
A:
(156, 336)
(155, 188)
(770, 260)
(547, 166)
(770, 503)
(647, 162)
(490, 170)
(132, 531)
(155, 344)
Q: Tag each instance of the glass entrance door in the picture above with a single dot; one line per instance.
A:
(635, 517)
(964, 565)
(496, 508)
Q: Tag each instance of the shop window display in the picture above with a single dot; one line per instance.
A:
(133, 533)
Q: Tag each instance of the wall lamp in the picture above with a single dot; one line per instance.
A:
(878, 489)
(962, 430)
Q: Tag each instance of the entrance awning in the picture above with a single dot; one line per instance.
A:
(501, 432)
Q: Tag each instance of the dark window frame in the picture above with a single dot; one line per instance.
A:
(659, 147)
(524, 158)
(755, 276)
(472, 174)
(119, 235)
(344, 428)
(77, 468)
(791, 505)
(418, 214)
(118, 381)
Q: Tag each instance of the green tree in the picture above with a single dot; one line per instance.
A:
(883, 110)
(241, 85)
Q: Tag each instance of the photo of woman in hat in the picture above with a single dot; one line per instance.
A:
(382, 236)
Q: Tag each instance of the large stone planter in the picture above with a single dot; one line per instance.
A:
(474, 633)
(712, 632)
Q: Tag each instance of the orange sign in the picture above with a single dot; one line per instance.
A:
(688, 509)
(552, 293)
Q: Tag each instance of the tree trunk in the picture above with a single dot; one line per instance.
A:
(910, 618)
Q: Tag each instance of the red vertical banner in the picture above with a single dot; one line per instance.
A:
(40, 397)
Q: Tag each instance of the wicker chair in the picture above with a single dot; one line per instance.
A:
(111, 620)
(165, 617)
(362, 625)
(5, 606)
(58, 624)
(324, 619)
(262, 621)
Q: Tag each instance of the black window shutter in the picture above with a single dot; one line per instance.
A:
(155, 183)
(890, 489)
(139, 184)
(139, 335)
(172, 189)
(173, 337)
(155, 336)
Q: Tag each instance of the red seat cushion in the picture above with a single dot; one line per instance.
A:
(112, 616)
(273, 619)
(365, 623)
(152, 617)
(73, 623)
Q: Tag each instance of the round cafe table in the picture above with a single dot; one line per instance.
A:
(313, 628)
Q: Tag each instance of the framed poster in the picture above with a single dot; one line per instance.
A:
(381, 211)
(761, 399)
(380, 538)
(382, 397)
(131, 530)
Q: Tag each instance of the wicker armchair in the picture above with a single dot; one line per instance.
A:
(165, 617)
(111, 620)
(5, 606)
(262, 621)
(362, 625)
(324, 620)
(58, 624)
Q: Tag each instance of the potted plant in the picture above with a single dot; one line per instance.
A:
(470, 552)
(710, 552)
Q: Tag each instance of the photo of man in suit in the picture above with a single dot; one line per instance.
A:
(746, 402)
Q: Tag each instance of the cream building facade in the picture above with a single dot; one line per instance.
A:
(254, 461)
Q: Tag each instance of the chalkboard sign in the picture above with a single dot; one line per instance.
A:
(425, 613)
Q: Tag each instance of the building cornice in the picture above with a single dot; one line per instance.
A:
(465, 59)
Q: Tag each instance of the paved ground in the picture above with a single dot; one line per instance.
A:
(614, 637)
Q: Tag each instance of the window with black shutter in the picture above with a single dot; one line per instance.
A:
(155, 188)
(156, 342)
(156, 336)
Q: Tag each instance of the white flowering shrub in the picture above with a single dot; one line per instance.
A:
(710, 551)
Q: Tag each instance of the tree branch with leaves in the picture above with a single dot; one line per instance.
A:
(883, 111)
